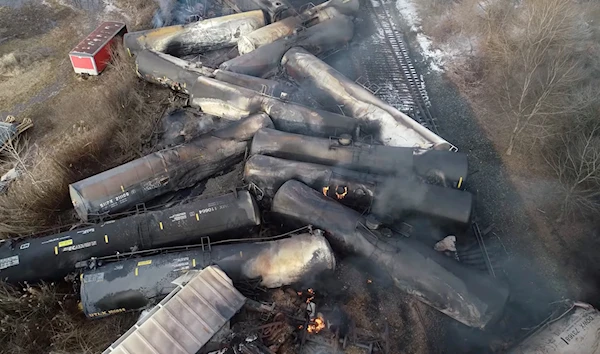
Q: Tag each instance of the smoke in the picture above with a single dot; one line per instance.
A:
(178, 12)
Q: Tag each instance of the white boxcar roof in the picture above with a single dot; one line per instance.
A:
(186, 319)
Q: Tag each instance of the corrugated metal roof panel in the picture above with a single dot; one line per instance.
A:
(186, 319)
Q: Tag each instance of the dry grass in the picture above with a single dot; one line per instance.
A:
(104, 122)
(42, 319)
(143, 10)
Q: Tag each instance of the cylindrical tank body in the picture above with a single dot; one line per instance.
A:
(169, 71)
(450, 167)
(319, 38)
(397, 129)
(197, 37)
(274, 9)
(290, 25)
(229, 101)
(263, 86)
(50, 258)
(391, 199)
(464, 294)
(575, 332)
(139, 282)
(138, 181)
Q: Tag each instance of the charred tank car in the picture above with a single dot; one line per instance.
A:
(139, 282)
(444, 167)
(390, 198)
(138, 181)
(468, 296)
(52, 257)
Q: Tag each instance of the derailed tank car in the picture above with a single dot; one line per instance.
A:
(390, 198)
(138, 181)
(197, 37)
(52, 257)
(397, 129)
(468, 296)
(574, 332)
(446, 167)
(139, 282)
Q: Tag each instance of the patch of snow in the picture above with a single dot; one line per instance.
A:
(410, 14)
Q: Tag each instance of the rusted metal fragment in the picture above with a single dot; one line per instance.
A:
(390, 198)
(138, 181)
(229, 101)
(290, 25)
(52, 257)
(323, 37)
(139, 282)
(197, 37)
(449, 168)
(466, 295)
(397, 129)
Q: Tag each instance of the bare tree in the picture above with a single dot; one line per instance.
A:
(537, 70)
(576, 162)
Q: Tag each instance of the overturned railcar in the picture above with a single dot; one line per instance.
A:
(574, 332)
(390, 198)
(49, 258)
(397, 129)
(171, 169)
(197, 37)
(464, 294)
(323, 37)
(230, 101)
(288, 26)
(139, 282)
(168, 71)
(444, 167)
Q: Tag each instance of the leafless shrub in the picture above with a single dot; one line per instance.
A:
(575, 158)
(42, 319)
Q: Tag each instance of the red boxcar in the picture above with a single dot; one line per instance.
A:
(92, 54)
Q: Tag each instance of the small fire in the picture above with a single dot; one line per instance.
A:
(316, 325)
(341, 195)
(369, 281)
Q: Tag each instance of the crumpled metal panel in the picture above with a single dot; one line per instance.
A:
(186, 320)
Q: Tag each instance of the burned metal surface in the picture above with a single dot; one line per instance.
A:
(171, 169)
(449, 167)
(464, 294)
(290, 25)
(196, 37)
(391, 199)
(139, 282)
(234, 102)
(397, 129)
(572, 332)
(320, 38)
(169, 71)
(266, 87)
(275, 10)
(49, 258)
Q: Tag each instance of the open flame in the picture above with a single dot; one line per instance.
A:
(316, 325)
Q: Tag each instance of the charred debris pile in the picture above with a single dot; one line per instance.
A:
(366, 182)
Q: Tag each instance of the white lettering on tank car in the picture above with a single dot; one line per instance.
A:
(178, 217)
(79, 246)
(9, 262)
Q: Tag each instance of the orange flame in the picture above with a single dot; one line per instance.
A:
(316, 325)
(341, 195)
(325, 190)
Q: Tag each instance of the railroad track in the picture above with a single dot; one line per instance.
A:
(386, 67)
